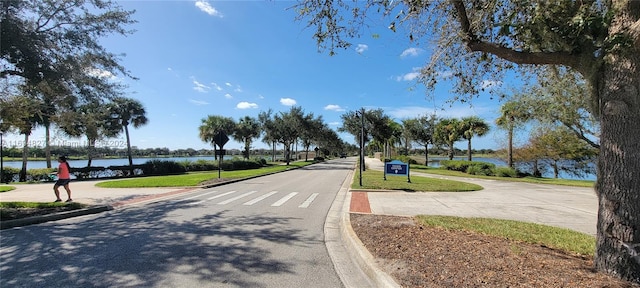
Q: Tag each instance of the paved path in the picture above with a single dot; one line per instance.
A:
(562, 206)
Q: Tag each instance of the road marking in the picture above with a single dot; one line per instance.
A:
(284, 199)
(199, 195)
(307, 202)
(236, 198)
(214, 197)
(256, 200)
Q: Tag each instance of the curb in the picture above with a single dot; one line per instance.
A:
(53, 217)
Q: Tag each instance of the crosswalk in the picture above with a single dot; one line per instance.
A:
(273, 198)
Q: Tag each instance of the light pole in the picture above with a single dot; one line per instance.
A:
(1, 159)
(361, 115)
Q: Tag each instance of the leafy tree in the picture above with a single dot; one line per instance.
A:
(310, 129)
(421, 130)
(213, 125)
(563, 150)
(287, 129)
(245, 131)
(448, 131)
(266, 122)
(483, 40)
(125, 112)
(472, 126)
(91, 120)
(20, 113)
(557, 100)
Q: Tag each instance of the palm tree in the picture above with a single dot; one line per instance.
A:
(512, 115)
(472, 126)
(421, 130)
(266, 123)
(124, 112)
(212, 125)
(246, 130)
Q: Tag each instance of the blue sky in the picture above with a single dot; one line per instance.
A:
(238, 58)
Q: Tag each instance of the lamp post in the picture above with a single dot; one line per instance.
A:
(361, 115)
(1, 159)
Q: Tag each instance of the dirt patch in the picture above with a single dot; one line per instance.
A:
(421, 256)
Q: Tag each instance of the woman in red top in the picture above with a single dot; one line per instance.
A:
(63, 179)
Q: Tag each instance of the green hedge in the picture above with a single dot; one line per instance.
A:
(464, 166)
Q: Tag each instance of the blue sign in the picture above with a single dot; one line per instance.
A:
(396, 167)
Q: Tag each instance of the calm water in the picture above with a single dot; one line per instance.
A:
(125, 161)
(106, 162)
(499, 162)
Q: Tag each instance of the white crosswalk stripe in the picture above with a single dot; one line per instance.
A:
(236, 198)
(256, 200)
(309, 200)
(284, 199)
(306, 204)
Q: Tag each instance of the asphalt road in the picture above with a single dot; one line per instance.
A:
(264, 232)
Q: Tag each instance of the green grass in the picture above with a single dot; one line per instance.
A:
(553, 237)
(565, 182)
(373, 179)
(4, 188)
(195, 178)
(40, 205)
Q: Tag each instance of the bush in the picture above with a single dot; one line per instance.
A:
(162, 167)
(318, 159)
(9, 174)
(506, 172)
(463, 166)
(479, 170)
(406, 159)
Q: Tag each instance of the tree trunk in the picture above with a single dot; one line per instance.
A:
(426, 155)
(126, 132)
(25, 154)
(47, 147)
(556, 171)
(618, 182)
(469, 149)
(510, 147)
(90, 150)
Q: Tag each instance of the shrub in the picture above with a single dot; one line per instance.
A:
(463, 166)
(9, 174)
(406, 159)
(90, 172)
(478, 170)
(506, 172)
(162, 167)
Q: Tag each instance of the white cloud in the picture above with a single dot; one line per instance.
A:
(333, 107)
(260, 96)
(459, 111)
(205, 7)
(247, 105)
(95, 72)
(216, 86)
(287, 101)
(411, 52)
(198, 102)
(228, 84)
(228, 96)
(361, 48)
(200, 87)
(410, 76)
(335, 123)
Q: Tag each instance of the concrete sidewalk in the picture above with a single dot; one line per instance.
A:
(569, 207)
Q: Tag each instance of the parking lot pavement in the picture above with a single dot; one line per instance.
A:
(569, 207)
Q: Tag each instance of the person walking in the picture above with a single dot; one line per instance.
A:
(64, 178)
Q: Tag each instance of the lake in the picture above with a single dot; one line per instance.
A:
(125, 161)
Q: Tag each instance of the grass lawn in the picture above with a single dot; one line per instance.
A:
(195, 178)
(554, 237)
(373, 179)
(565, 182)
(4, 188)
